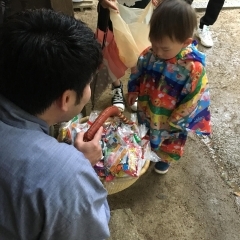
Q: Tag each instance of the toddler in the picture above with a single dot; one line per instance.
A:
(170, 84)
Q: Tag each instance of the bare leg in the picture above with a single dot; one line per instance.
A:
(116, 83)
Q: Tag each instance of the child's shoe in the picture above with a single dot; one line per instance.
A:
(134, 106)
(117, 99)
(161, 167)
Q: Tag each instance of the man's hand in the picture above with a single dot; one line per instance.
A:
(109, 4)
(92, 150)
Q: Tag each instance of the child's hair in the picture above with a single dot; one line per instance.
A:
(175, 19)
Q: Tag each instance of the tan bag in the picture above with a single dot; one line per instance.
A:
(131, 30)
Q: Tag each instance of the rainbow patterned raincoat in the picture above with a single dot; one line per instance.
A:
(173, 99)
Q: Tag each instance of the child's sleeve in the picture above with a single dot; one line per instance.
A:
(134, 79)
(192, 111)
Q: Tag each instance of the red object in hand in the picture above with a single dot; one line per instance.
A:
(104, 115)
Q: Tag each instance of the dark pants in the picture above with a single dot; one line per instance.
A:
(212, 11)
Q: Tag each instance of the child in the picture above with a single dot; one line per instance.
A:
(171, 84)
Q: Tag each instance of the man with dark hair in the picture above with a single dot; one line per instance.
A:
(48, 190)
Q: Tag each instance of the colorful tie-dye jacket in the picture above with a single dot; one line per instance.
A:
(173, 95)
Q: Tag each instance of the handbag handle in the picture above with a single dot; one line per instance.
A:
(104, 115)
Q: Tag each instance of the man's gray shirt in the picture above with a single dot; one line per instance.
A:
(48, 190)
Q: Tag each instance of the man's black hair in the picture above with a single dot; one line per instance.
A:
(43, 54)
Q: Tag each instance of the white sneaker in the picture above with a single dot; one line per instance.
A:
(205, 36)
(134, 106)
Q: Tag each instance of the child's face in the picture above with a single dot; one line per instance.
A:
(167, 49)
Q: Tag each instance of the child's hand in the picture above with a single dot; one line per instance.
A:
(131, 98)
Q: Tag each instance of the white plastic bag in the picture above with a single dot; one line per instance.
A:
(131, 30)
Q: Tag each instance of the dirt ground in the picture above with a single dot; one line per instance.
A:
(195, 199)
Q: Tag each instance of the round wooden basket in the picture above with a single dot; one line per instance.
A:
(121, 183)
(118, 183)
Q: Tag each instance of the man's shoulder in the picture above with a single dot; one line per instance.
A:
(43, 164)
(50, 178)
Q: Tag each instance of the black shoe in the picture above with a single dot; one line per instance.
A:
(161, 167)
(117, 99)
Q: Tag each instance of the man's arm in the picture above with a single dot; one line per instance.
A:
(77, 207)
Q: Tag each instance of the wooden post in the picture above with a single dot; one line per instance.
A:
(65, 6)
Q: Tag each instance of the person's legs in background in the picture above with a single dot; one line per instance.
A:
(117, 86)
(105, 25)
(211, 14)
